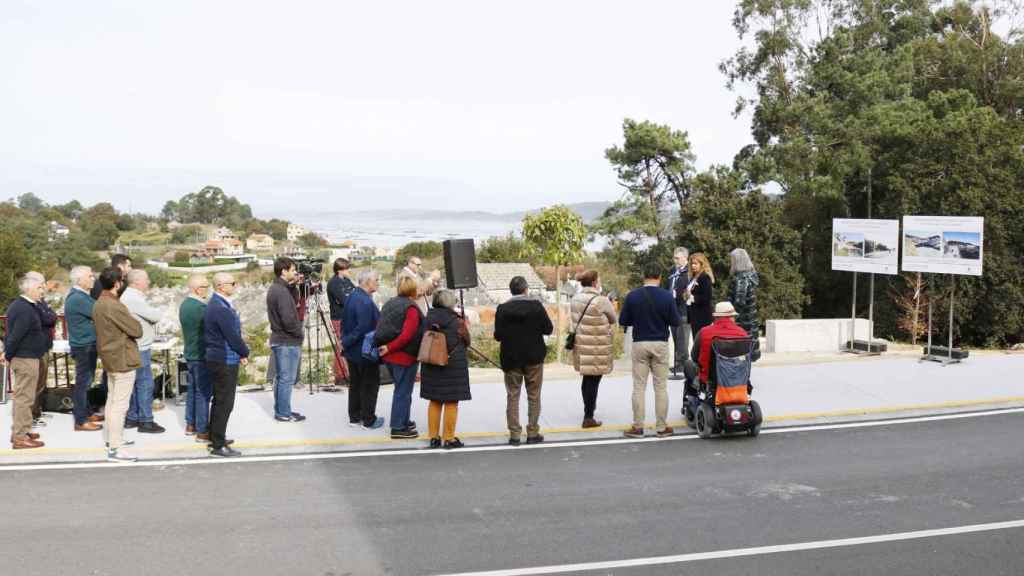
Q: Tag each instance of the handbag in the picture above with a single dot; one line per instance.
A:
(570, 338)
(433, 348)
(370, 351)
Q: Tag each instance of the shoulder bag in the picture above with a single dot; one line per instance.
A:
(570, 338)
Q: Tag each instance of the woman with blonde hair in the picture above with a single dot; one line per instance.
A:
(593, 318)
(398, 335)
(698, 293)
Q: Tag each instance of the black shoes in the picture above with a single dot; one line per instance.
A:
(130, 424)
(404, 434)
(514, 441)
(435, 443)
(534, 439)
(453, 443)
(150, 428)
(225, 452)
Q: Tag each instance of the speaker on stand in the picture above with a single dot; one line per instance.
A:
(460, 267)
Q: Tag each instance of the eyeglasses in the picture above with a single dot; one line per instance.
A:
(227, 284)
(417, 263)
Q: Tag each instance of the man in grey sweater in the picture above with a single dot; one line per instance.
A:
(140, 410)
(285, 337)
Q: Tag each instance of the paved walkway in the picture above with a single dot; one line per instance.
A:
(793, 390)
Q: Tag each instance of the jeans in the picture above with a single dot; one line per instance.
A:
(200, 389)
(85, 371)
(286, 359)
(225, 382)
(140, 409)
(401, 401)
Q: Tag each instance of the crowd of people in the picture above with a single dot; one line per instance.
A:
(109, 319)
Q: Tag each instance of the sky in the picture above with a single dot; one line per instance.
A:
(331, 106)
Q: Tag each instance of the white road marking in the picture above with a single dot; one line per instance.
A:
(755, 551)
(487, 448)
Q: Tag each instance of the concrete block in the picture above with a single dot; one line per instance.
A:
(813, 335)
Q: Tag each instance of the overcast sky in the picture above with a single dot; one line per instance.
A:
(365, 105)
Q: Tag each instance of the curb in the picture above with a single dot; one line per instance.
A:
(383, 440)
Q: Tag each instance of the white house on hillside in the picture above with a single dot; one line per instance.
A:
(296, 231)
(226, 247)
(224, 233)
(259, 242)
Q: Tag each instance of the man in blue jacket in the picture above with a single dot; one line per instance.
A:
(225, 352)
(651, 311)
(359, 319)
(82, 336)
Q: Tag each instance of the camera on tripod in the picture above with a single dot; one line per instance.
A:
(311, 270)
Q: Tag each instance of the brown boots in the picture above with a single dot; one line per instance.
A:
(26, 442)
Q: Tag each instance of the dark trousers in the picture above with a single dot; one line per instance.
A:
(85, 371)
(364, 383)
(225, 381)
(589, 389)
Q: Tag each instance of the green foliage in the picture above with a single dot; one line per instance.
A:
(14, 262)
(188, 234)
(500, 249)
(99, 226)
(720, 218)
(555, 235)
(161, 278)
(654, 165)
(208, 206)
(923, 102)
(29, 202)
(428, 250)
(311, 241)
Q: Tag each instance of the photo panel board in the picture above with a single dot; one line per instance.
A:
(863, 245)
(943, 244)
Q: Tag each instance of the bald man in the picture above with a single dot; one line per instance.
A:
(226, 351)
(191, 314)
(140, 410)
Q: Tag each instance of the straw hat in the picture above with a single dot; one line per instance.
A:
(724, 309)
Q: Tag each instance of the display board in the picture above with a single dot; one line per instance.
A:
(943, 244)
(861, 245)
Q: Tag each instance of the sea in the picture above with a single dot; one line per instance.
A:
(384, 230)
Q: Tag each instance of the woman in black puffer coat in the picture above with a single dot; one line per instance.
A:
(446, 386)
(743, 284)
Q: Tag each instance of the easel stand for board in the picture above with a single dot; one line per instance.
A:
(871, 349)
(948, 358)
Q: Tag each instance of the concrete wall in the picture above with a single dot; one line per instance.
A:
(817, 335)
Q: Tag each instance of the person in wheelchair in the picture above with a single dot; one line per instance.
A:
(720, 364)
(724, 325)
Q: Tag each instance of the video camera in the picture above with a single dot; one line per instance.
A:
(310, 267)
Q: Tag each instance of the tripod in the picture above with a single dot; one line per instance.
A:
(315, 323)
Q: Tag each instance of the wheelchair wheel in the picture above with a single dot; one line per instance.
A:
(705, 421)
(691, 418)
(756, 428)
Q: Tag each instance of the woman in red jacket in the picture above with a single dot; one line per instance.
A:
(401, 329)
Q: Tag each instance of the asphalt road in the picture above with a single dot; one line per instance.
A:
(474, 511)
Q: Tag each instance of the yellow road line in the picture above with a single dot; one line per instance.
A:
(195, 446)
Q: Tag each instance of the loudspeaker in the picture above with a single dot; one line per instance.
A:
(460, 263)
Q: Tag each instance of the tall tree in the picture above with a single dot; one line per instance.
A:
(556, 235)
(654, 165)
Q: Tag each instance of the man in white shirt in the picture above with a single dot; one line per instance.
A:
(140, 411)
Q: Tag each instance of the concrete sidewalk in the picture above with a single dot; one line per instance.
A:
(826, 388)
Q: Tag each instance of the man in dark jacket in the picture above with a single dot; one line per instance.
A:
(360, 318)
(339, 288)
(675, 282)
(520, 325)
(285, 337)
(25, 346)
(225, 352)
(49, 321)
(121, 261)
